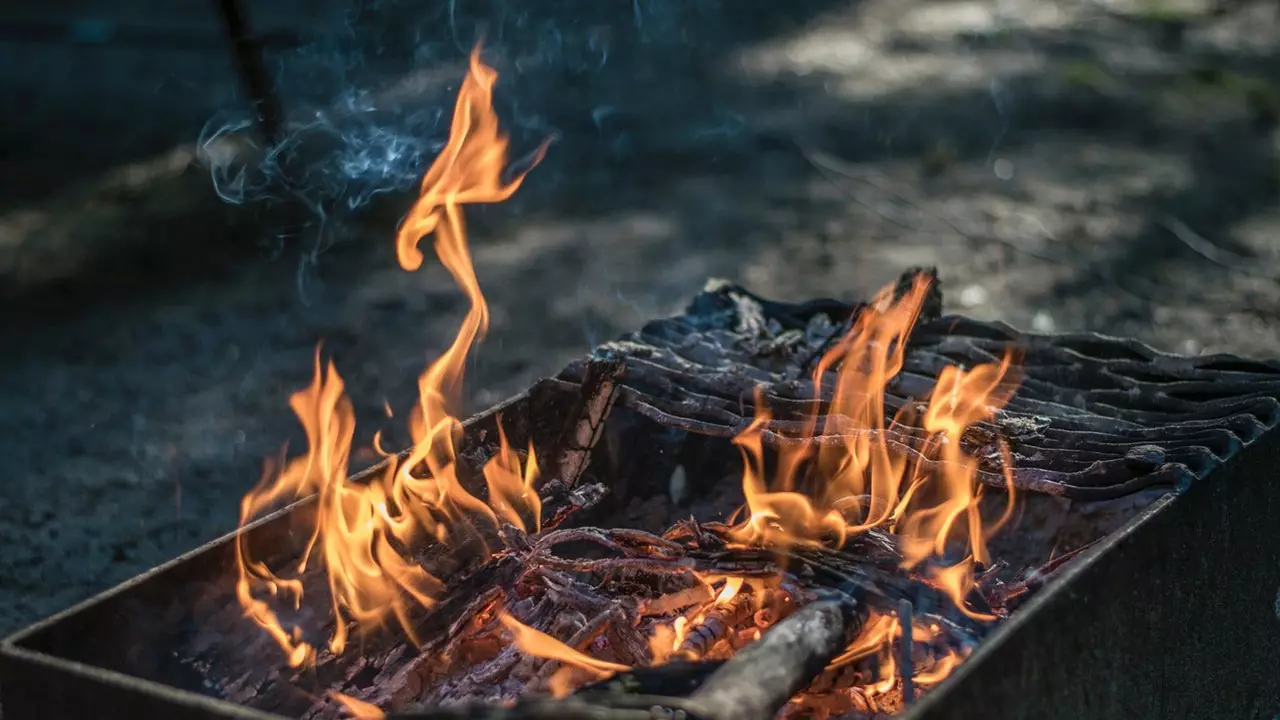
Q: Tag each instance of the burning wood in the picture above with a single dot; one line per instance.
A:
(879, 457)
(838, 482)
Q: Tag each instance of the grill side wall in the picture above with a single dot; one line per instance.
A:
(37, 687)
(1178, 618)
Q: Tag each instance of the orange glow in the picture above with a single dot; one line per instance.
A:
(731, 587)
(666, 640)
(940, 670)
(821, 493)
(541, 645)
(511, 491)
(361, 529)
(878, 630)
(359, 709)
(878, 637)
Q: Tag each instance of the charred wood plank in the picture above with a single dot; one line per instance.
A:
(1086, 407)
(598, 392)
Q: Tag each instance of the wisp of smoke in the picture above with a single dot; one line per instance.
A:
(367, 103)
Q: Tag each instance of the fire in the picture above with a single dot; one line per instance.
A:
(360, 530)
(857, 469)
(358, 709)
(821, 493)
(539, 644)
(468, 170)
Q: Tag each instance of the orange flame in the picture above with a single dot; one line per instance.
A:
(854, 478)
(541, 645)
(468, 170)
(817, 493)
(359, 709)
(362, 529)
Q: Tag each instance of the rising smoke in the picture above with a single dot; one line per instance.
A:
(367, 99)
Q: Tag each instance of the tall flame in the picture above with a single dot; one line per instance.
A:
(468, 170)
(362, 529)
(856, 478)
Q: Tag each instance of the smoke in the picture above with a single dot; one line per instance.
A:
(367, 102)
(344, 156)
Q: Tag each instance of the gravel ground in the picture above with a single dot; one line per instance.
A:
(1065, 165)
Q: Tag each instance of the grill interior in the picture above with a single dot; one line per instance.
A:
(1099, 428)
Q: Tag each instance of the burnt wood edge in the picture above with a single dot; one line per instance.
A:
(597, 394)
(752, 685)
(721, 304)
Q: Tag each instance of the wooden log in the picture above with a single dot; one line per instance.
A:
(757, 682)
(598, 392)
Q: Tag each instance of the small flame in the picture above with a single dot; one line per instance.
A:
(541, 645)
(940, 670)
(359, 709)
(361, 530)
(879, 629)
(732, 586)
(666, 640)
(510, 491)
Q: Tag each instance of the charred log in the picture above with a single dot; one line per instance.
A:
(758, 681)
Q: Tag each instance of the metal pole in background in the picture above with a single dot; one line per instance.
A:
(253, 73)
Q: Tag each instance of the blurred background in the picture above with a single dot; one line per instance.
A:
(165, 273)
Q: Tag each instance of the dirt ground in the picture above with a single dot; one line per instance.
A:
(1066, 165)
